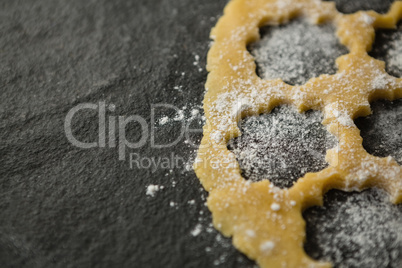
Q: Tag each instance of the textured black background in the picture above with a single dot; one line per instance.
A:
(61, 206)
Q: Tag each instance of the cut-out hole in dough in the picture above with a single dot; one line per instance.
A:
(355, 230)
(352, 6)
(388, 48)
(282, 146)
(297, 51)
(382, 131)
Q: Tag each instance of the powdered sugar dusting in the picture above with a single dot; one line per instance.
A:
(297, 51)
(282, 146)
(356, 230)
(394, 57)
(388, 47)
(382, 131)
(352, 6)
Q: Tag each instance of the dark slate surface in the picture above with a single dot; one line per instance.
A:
(62, 206)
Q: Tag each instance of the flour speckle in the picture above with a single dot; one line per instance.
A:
(267, 247)
(197, 230)
(275, 207)
(163, 120)
(153, 189)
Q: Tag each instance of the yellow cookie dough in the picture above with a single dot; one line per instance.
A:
(266, 222)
